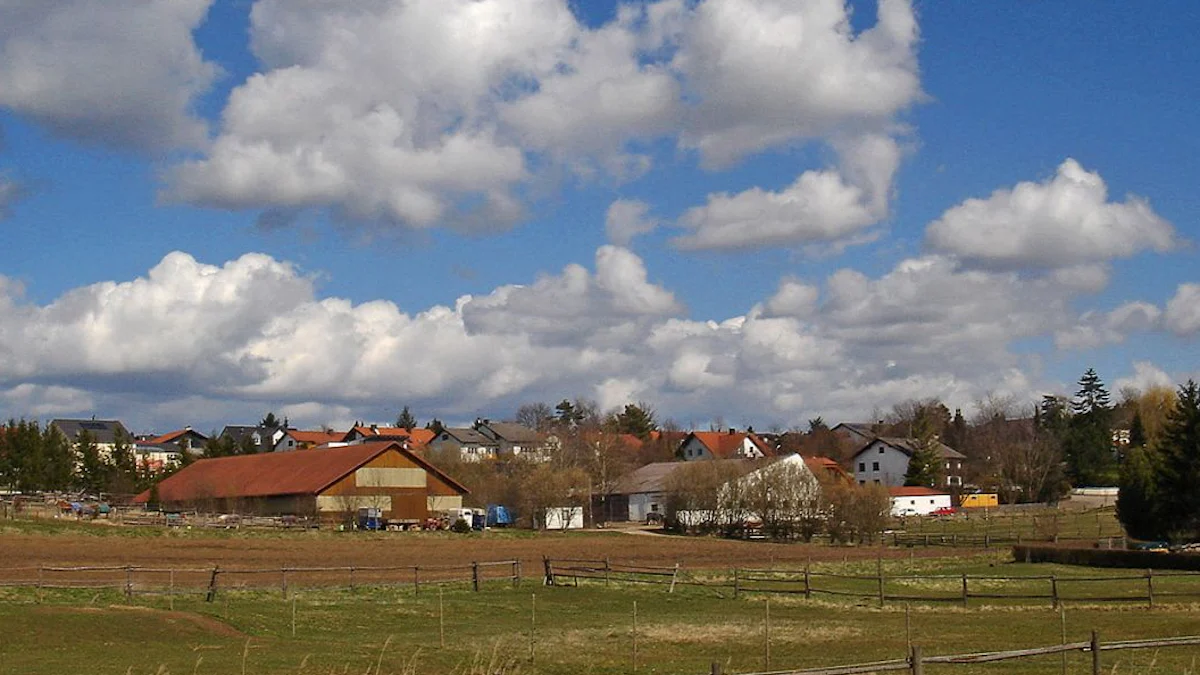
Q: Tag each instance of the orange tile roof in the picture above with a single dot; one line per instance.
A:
(418, 435)
(724, 445)
(267, 474)
(316, 437)
(914, 491)
(169, 437)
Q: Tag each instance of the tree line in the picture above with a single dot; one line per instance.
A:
(41, 459)
(1160, 475)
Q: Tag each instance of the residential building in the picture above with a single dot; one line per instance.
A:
(262, 439)
(731, 444)
(469, 443)
(295, 439)
(885, 461)
(514, 440)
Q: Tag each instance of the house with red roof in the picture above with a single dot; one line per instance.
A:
(731, 444)
(295, 439)
(328, 483)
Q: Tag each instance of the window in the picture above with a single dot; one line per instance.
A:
(654, 508)
(862, 466)
(881, 451)
(947, 466)
(874, 466)
(862, 482)
(877, 481)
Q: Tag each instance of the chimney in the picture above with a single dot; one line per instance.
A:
(732, 431)
(375, 429)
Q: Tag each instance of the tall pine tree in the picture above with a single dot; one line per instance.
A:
(925, 463)
(1178, 484)
(1087, 443)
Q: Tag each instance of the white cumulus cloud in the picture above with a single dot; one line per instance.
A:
(626, 219)
(1063, 221)
(820, 206)
(445, 112)
(1183, 310)
(123, 73)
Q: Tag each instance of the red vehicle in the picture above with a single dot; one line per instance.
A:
(944, 511)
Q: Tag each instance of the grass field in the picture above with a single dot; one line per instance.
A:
(588, 629)
(583, 629)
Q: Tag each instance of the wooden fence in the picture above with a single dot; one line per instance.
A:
(916, 661)
(139, 580)
(1148, 587)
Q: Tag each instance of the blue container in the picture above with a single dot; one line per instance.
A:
(498, 516)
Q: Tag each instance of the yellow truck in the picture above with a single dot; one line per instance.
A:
(980, 501)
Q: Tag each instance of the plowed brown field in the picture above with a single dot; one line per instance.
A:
(400, 548)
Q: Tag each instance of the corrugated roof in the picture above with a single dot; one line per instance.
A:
(303, 472)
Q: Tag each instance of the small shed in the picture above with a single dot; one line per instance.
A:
(918, 501)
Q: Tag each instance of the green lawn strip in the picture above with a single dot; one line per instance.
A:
(579, 630)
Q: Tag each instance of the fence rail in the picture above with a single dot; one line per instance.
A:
(141, 580)
(1149, 587)
(916, 661)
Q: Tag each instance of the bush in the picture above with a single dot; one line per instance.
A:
(461, 526)
(1099, 557)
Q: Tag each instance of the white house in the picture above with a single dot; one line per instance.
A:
(918, 501)
(471, 445)
(730, 444)
(885, 461)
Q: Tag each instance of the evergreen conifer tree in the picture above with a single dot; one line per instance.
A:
(1087, 443)
(1177, 496)
(925, 463)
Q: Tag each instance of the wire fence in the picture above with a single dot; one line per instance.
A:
(141, 580)
(1148, 587)
(916, 661)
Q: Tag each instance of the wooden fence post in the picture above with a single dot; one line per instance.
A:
(283, 580)
(171, 591)
(516, 573)
(715, 669)
(635, 631)
(41, 573)
(548, 580)
(1095, 647)
(879, 569)
(128, 582)
(607, 571)
(674, 576)
(767, 635)
(807, 581)
(964, 590)
(475, 576)
(212, 585)
(1054, 590)
(441, 619)
(1150, 588)
(915, 663)
(736, 583)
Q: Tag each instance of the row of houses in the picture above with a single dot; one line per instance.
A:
(388, 468)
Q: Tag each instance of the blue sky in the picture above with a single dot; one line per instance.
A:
(811, 208)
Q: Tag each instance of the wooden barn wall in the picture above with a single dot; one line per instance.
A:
(398, 503)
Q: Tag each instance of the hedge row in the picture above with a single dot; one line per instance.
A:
(1100, 557)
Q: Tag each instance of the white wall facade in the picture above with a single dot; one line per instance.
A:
(920, 505)
(642, 504)
(880, 463)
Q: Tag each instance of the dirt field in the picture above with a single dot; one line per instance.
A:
(82, 547)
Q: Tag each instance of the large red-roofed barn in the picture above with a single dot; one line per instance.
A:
(328, 483)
